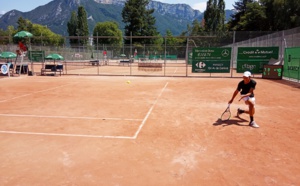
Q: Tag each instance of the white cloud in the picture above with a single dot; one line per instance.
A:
(2, 12)
(199, 6)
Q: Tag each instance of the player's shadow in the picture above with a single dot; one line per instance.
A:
(236, 121)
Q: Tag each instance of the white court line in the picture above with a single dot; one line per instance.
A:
(174, 73)
(36, 92)
(175, 70)
(12, 78)
(66, 135)
(149, 112)
(67, 117)
(82, 135)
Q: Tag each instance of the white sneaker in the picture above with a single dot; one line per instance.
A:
(253, 124)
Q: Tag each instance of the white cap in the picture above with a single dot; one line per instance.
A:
(247, 74)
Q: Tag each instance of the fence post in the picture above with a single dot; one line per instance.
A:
(232, 53)
(165, 55)
(186, 56)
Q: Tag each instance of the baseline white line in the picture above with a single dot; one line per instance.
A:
(66, 135)
(11, 78)
(36, 92)
(67, 117)
(81, 135)
(149, 112)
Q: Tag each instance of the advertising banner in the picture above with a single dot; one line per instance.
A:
(253, 59)
(211, 60)
(292, 63)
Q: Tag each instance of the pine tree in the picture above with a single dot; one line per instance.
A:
(139, 21)
(214, 16)
(72, 26)
(82, 25)
(240, 7)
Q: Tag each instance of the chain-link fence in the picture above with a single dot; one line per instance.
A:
(169, 57)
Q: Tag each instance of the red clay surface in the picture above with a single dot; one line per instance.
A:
(76, 130)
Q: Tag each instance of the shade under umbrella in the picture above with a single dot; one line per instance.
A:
(8, 55)
(23, 34)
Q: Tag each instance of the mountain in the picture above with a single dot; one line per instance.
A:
(57, 13)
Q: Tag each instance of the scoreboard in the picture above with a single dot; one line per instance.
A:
(272, 72)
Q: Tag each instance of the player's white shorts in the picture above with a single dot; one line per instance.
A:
(250, 99)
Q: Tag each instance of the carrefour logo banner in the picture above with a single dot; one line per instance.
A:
(253, 58)
(211, 60)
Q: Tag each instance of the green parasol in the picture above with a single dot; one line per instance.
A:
(8, 55)
(54, 57)
(22, 34)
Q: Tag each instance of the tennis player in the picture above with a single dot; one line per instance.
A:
(246, 88)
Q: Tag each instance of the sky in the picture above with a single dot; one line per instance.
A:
(28, 5)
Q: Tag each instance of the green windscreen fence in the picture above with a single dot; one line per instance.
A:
(211, 60)
(36, 56)
(253, 59)
(292, 63)
(153, 57)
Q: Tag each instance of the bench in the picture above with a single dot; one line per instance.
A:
(24, 69)
(144, 59)
(52, 68)
(95, 62)
(126, 61)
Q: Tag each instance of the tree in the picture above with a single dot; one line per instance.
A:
(173, 44)
(240, 7)
(282, 14)
(221, 15)
(110, 29)
(196, 28)
(139, 21)
(214, 16)
(24, 24)
(72, 27)
(149, 28)
(4, 37)
(254, 18)
(82, 25)
(42, 35)
(47, 37)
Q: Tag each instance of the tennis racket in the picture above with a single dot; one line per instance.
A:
(226, 114)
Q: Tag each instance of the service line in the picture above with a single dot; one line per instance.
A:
(149, 112)
(36, 92)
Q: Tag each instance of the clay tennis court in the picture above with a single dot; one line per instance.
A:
(94, 130)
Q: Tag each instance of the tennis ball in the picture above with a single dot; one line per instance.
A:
(128, 82)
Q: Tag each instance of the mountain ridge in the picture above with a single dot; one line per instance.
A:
(57, 13)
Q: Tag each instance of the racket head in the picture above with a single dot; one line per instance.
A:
(226, 114)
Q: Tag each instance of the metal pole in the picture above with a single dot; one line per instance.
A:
(130, 44)
(97, 48)
(78, 42)
(298, 70)
(41, 41)
(186, 57)
(130, 52)
(97, 51)
(165, 56)
(283, 46)
(165, 53)
(123, 45)
(232, 54)
(103, 48)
